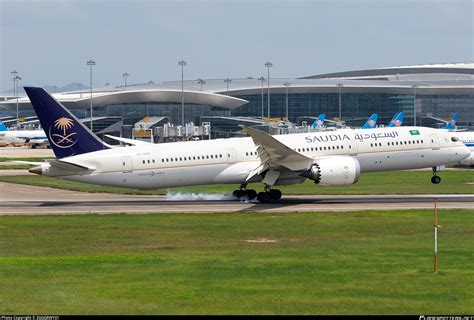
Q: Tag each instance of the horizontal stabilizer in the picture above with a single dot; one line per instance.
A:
(70, 167)
(129, 141)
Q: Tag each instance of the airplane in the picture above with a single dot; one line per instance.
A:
(372, 122)
(34, 137)
(319, 122)
(466, 137)
(327, 158)
(450, 125)
(396, 121)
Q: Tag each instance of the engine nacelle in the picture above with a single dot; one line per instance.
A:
(334, 171)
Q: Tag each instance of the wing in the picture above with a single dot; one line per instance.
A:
(277, 153)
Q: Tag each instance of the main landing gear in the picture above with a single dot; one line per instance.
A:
(435, 179)
(269, 195)
(249, 194)
(244, 193)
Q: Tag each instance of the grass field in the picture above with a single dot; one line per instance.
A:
(396, 182)
(299, 263)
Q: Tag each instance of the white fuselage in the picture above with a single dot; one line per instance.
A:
(23, 136)
(467, 137)
(231, 160)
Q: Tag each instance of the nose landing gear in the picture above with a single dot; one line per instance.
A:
(435, 179)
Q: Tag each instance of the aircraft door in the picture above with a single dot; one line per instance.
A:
(434, 141)
(231, 155)
(352, 147)
(127, 164)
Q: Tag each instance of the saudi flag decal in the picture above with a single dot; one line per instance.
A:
(414, 132)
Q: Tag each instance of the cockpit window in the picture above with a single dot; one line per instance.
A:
(454, 139)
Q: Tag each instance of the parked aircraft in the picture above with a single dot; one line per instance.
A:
(372, 122)
(33, 137)
(319, 122)
(328, 158)
(397, 120)
(467, 137)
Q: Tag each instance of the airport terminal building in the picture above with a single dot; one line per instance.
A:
(422, 92)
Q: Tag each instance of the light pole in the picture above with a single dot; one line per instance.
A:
(340, 85)
(17, 78)
(125, 76)
(227, 81)
(268, 65)
(182, 63)
(14, 75)
(414, 103)
(287, 84)
(262, 79)
(201, 82)
(91, 63)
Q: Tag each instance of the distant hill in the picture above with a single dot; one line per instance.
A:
(52, 89)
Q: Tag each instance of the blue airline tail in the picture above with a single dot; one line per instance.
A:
(67, 136)
(3, 127)
(372, 122)
(451, 124)
(319, 122)
(397, 120)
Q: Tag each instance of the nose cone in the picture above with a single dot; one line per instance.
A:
(463, 152)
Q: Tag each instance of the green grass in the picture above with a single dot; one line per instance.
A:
(321, 263)
(397, 182)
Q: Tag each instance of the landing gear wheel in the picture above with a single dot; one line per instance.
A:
(435, 179)
(275, 194)
(264, 197)
(251, 194)
(238, 193)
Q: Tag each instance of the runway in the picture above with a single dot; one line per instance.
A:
(18, 199)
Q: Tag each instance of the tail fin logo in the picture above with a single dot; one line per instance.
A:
(371, 123)
(60, 133)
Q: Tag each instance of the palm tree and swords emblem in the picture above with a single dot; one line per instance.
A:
(64, 140)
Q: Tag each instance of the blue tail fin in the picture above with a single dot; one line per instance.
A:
(319, 122)
(67, 135)
(397, 120)
(372, 122)
(451, 124)
(3, 127)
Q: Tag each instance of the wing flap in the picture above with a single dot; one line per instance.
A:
(278, 153)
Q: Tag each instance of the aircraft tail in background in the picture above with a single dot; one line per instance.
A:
(397, 120)
(451, 124)
(319, 122)
(371, 122)
(3, 127)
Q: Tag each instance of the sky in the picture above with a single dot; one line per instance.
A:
(49, 42)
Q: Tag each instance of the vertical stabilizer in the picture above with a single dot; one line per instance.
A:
(66, 134)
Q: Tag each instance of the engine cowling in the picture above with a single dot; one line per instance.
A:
(334, 171)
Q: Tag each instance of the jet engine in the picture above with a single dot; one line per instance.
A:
(334, 171)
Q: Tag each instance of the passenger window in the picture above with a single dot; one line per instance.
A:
(143, 161)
